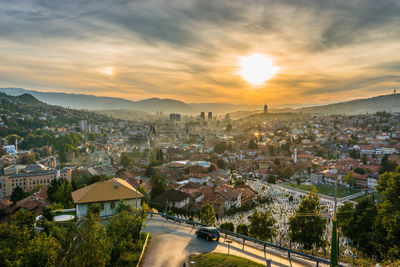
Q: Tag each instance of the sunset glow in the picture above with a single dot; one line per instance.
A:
(257, 68)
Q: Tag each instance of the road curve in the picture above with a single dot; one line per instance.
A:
(172, 242)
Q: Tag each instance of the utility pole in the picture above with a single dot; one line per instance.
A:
(334, 243)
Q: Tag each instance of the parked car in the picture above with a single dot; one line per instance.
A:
(208, 233)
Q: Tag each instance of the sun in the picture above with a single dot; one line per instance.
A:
(107, 70)
(257, 68)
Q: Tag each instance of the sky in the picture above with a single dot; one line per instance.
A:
(325, 51)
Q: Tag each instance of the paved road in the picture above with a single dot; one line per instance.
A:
(171, 243)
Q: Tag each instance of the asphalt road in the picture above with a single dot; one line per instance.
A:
(171, 243)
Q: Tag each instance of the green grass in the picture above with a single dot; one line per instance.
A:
(326, 189)
(220, 260)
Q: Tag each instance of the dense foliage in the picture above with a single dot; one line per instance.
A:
(207, 214)
(306, 217)
(374, 228)
(87, 243)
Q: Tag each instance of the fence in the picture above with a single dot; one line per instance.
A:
(250, 239)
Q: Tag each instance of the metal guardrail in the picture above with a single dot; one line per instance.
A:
(251, 239)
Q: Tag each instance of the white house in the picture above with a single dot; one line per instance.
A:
(107, 194)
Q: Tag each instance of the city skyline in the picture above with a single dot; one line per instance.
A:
(192, 50)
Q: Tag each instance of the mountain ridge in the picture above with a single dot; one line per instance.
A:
(388, 103)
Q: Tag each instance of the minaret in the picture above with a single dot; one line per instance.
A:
(295, 155)
(16, 145)
(265, 109)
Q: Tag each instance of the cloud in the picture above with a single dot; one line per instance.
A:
(189, 49)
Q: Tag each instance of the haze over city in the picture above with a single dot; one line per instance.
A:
(282, 53)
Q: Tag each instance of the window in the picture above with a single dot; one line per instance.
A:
(112, 205)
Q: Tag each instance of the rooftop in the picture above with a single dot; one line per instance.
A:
(112, 189)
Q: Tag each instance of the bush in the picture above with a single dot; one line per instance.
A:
(242, 229)
(48, 214)
(228, 226)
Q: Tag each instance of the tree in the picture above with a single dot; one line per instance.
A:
(228, 226)
(344, 217)
(242, 229)
(159, 184)
(357, 223)
(142, 190)
(288, 172)
(124, 231)
(354, 153)
(42, 250)
(221, 164)
(364, 159)
(359, 170)
(23, 218)
(126, 160)
(221, 147)
(350, 179)
(61, 193)
(14, 238)
(149, 171)
(12, 138)
(388, 214)
(159, 156)
(252, 144)
(2, 152)
(29, 158)
(18, 194)
(48, 213)
(262, 225)
(271, 179)
(387, 165)
(306, 217)
(211, 168)
(207, 214)
(92, 246)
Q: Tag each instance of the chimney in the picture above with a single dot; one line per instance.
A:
(115, 184)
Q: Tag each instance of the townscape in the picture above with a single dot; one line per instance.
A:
(178, 164)
(199, 133)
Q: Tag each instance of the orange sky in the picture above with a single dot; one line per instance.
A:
(190, 50)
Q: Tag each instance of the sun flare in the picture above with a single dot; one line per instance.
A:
(257, 68)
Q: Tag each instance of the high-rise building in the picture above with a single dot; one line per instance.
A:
(202, 115)
(210, 115)
(175, 117)
(265, 109)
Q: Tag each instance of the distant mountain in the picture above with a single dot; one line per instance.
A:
(389, 103)
(91, 102)
(151, 105)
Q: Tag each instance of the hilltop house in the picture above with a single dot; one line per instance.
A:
(107, 194)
